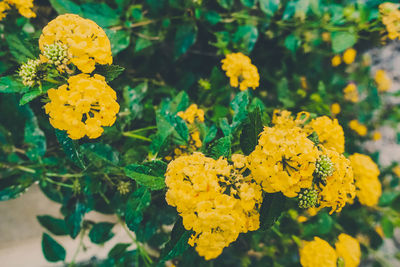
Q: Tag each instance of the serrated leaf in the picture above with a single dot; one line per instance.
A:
(29, 96)
(225, 3)
(110, 72)
(342, 40)
(54, 225)
(52, 251)
(142, 43)
(101, 232)
(100, 13)
(248, 3)
(69, 148)
(65, 6)
(239, 106)
(119, 40)
(251, 131)
(13, 186)
(220, 148)
(9, 85)
(34, 137)
(246, 37)
(271, 209)
(138, 201)
(117, 251)
(185, 37)
(98, 152)
(269, 7)
(75, 211)
(141, 174)
(19, 48)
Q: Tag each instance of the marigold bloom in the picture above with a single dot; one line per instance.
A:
(349, 55)
(330, 133)
(382, 80)
(336, 60)
(284, 160)
(82, 106)
(366, 172)
(335, 108)
(390, 15)
(317, 253)
(351, 93)
(358, 127)
(241, 72)
(348, 248)
(214, 199)
(87, 43)
(24, 8)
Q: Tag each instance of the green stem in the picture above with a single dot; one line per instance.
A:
(136, 136)
(68, 175)
(72, 263)
(26, 169)
(59, 183)
(142, 129)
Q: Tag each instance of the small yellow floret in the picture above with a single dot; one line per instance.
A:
(358, 127)
(383, 81)
(351, 93)
(349, 55)
(317, 253)
(348, 248)
(336, 60)
(335, 108)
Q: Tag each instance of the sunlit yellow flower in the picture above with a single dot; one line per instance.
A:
(87, 43)
(330, 133)
(376, 136)
(82, 106)
(349, 55)
(382, 80)
(359, 128)
(351, 93)
(390, 15)
(366, 172)
(24, 8)
(317, 253)
(348, 248)
(336, 60)
(241, 72)
(335, 108)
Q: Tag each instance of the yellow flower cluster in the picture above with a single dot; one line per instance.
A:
(215, 200)
(390, 14)
(335, 109)
(87, 43)
(382, 80)
(358, 127)
(24, 8)
(191, 114)
(366, 172)
(241, 72)
(82, 106)
(318, 252)
(351, 93)
(348, 57)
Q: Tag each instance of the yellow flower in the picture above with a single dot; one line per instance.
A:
(396, 170)
(284, 119)
(377, 136)
(191, 114)
(366, 172)
(82, 106)
(326, 36)
(336, 60)
(241, 72)
(351, 93)
(382, 80)
(87, 43)
(359, 128)
(330, 133)
(24, 8)
(284, 160)
(215, 200)
(390, 18)
(335, 108)
(317, 253)
(348, 248)
(349, 55)
(379, 231)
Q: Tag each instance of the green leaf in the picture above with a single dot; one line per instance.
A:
(185, 37)
(100, 153)
(269, 7)
(117, 251)
(387, 227)
(69, 148)
(9, 85)
(142, 175)
(65, 6)
(225, 3)
(54, 225)
(246, 37)
(396, 204)
(133, 98)
(14, 186)
(142, 43)
(321, 225)
(212, 17)
(138, 201)
(179, 103)
(110, 72)
(28, 97)
(100, 13)
(35, 138)
(52, 251)
(75, 211)
(220, 148)
(271, 209)
(248, 3)
(292, 42)
(342, 40)
(119, 40)
(251, 131)
(284, 95)
(239, 106)
(19, 47)
(101, 232)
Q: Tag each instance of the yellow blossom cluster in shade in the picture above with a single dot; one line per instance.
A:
(348, 57)
(240, 71)
(366, 172)
(351, 93)
(396, 171)
(390, 15)
(87, 43)
(348, 248)
(215, 200)
(82, 106)
(335, 109)
(24, 8)
(317, 253)
(191, 114)
(382, 80)
(358, 127)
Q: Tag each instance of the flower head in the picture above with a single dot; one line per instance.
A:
(336, 60)
(241, 72)
(31, 72)
(351, 93)
(56, 53)
(82, 106)
(191, 114)
(390, 15)
(335, 108)
(87, 43)
(358, 127)
(317, 253)
(348, 248)
(382, 80)
(349, 55)
(24, 8)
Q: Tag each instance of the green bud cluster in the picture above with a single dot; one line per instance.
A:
(76, 186)
(324, 167)
(30, 72)
(123, 188)
(307, 198)
(56, 54)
